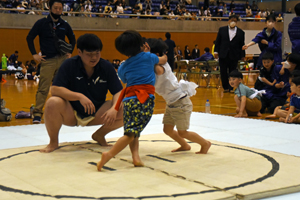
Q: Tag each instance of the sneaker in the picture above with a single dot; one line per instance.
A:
(36, 120)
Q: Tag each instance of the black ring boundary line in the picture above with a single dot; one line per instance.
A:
(272, 172)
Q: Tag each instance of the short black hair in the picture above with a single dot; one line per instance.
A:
(33, 62)
(157, 46)
(168, 35)
(89, 42)
(296, 81)
(129, 43)
(51, 2)
(295, 73)
(234, 16)
(297, 9)
(236, 74)
(16, 52)
(267, 56)
(206, 49)
(271, 17)
(294, 58)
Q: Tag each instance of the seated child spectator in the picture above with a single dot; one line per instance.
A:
(247, 100)
(292, 61)
(265, 72)
(293, 114)
(179, 106)
(294, 74)
(206, 56)
(138, 105)
(31, 70)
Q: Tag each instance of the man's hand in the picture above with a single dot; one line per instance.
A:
(110, 116)
(68, 55)
(87, 104)
(245, 47)
(264, 42)
(38, 57)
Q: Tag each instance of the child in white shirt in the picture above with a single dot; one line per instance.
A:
(179, 106)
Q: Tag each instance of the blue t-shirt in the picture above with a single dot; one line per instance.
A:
(139, 69)
(295, 101)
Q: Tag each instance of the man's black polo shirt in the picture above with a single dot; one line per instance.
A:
(72, 76)
(47, 42)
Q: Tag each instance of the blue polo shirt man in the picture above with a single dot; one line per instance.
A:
(79, 94)
(72, 75)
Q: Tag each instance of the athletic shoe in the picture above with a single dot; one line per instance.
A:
(36, 120)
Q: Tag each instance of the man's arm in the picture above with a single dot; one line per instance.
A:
(71, 37)
(69, 95)
(217, 44)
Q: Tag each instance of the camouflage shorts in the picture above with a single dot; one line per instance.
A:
(137, 115)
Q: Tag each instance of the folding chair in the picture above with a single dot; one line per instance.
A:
(214, 69)
(181, 69)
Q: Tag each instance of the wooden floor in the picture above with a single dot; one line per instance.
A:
(20, 95)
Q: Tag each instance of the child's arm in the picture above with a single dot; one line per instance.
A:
(267, 82)
(159, 70)
(162, 60)
(248, 45)
(281, 72)
(242, 106)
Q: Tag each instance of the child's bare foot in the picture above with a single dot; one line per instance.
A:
(104, 159)
(271, 116)
(138, 163)
(259, 114)
(281, 119)
(49, 148)
(204, 148)
(101, 140)
(182, 148)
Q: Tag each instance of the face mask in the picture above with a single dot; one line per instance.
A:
(232, 24)
(286, 65)
(55, 16)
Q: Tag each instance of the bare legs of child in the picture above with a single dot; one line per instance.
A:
(179, 136)
(118, 147)
(274, 116)
(238, 104)
(245, 113)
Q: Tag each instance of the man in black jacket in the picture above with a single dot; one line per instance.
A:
(49, 30)
(228, 48)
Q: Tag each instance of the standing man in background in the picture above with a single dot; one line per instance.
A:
(172, 48)
(228, 48)
(195, 52)
(49, 30)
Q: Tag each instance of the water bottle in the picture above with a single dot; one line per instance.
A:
(207, 106)
(4, 63)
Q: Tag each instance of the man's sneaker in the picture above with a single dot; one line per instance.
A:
(36, 120)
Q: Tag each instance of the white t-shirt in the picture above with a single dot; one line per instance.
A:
(167, 86)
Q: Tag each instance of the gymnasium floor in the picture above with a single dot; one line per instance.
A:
(218, 126)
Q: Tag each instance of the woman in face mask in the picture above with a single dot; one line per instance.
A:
(269, 40)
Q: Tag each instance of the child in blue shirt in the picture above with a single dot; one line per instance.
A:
(293, 114)
(138, 73)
